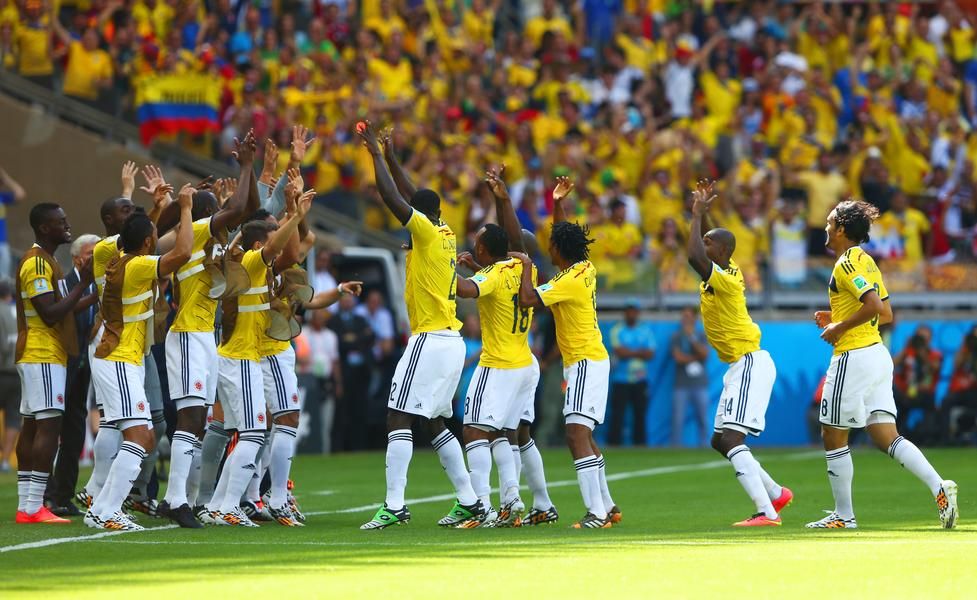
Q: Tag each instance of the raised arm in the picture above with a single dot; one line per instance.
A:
(385, 183)
(162, 194)
(528, 297)
(405, 186)
(10, 183)
(241, 204)
(180, 253)
(329, 297)
(504, 210)
(702, 198)
(563, 188)
(278, 240)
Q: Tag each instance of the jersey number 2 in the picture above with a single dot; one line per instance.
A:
(454, 281)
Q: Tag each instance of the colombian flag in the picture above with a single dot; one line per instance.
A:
(173, 103)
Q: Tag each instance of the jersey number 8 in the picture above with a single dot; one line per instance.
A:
(520, 317)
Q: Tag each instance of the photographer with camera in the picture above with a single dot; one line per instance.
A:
(959, 409)
(917, 371)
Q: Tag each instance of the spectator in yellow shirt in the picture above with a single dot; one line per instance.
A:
(825, 188)
(621, 241)
(903, 230)
(393, 73)
(550, 20)
(32, 41)
(89, 69)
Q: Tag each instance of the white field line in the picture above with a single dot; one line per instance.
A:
(713, 464)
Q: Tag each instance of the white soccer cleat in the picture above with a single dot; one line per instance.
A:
(833, 521)
(92, 521)
(946, 502)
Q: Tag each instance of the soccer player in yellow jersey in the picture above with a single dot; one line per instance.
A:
(862, 395)
(427, 375)
(240, 383)
(191, 350)
(572, 295)
(128, 296)
(749, 379)
(42, 356)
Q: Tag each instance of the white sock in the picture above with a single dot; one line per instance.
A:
(588, 476)
(181, 461)
(124, 470)
(910, 457)
(480, 465)
(252, 493)
(400, 449)
(747, 473)
(841, 471)
(508, 480)
(106, 447)
(517, 460)
(282, 452)
(35, 492)
(535, 476)
(774, 490)
(211, 451)
(241, 467)
(453, 461)
(141, 484)
(193, 479)
(605, 492)
(23, 488)
(221, 489)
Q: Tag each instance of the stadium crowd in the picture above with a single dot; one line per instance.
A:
(795, 106)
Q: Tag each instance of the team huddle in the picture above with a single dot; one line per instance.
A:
(232, 256)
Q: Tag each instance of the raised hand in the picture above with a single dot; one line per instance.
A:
(703, 197)
(224, 188)
(154, 180)
(466, 259)
(387, 140)
(352, 287)
(244, 150)
(293, 189)
(368, 134)
(564, 185)
(522, 257)
(302, 140)
(270, 162)
(495, 182)
(128, 178)
(305, 203)
(185, 199)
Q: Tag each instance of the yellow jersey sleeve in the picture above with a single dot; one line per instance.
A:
(43, 343)
(561, 288)
(726, 282)
(196, 310)
(421, 229)
(725, 318)
(105, 250)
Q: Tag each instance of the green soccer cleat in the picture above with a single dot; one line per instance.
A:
(460, 513)
(386, 517)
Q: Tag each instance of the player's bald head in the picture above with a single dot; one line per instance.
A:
(720, 244)
(723, 238)
(530, 242)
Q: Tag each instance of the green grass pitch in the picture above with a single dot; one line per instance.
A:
(675, 540)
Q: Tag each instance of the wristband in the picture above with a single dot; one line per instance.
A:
(339, 288)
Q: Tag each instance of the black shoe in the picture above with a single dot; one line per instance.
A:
(163, 510)
(183, 517)
(68, 510)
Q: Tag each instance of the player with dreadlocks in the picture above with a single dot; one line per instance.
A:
(572, 294)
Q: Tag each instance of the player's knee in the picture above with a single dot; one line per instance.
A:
(398, 420)
(716, 443)
(290, 419)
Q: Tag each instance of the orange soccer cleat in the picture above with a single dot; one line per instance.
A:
(43, 515)
(759, 520)
(786, 497)
(22, 517)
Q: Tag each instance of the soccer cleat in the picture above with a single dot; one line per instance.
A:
(83, 498)
(283, 516)
(207, 516)
(147, 506)
(510, 515)
(540, 517)
(44, 515)
(786, 497)
(486, 520)
(182, 516)
(257, 511)
(614, 515)
(759, 520)
(92, 521)
(236, 518)
(460, 513)
(21, 517)
(120, 521)
(592, 521)
(385, 517)
(946, 501)
(294, 507)
(833, 521)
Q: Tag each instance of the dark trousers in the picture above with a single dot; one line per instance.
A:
(349, 425)
(958, 414)
(624, 395)
(61, 486)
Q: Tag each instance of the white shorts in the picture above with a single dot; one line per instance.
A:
(747, 386)
(191, 367)
(858, 384)
(41, 387)
(526, 406)
(496, 397)
(241, 390)
(587, 382)
(121, 386)
(92, 345)
(281, 384)
(427, 374)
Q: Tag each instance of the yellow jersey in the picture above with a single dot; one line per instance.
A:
(854, 275)
(196, 310)
(505, 325)
(728, 325)
(429, 290)
(43, 342)
(252, 318)
(105, 250)
(572, 294)
(137, 309)
(33, 43)
(85, 69)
